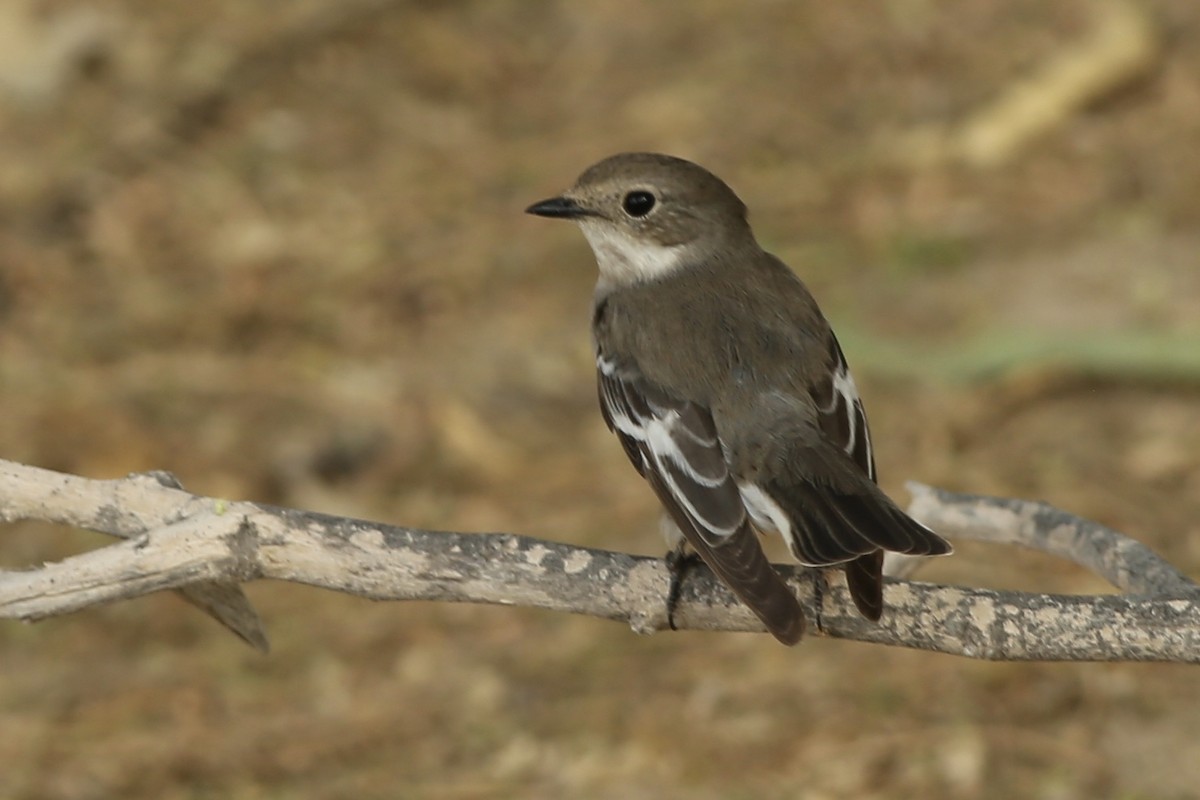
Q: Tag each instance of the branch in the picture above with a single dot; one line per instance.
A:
(177, 540)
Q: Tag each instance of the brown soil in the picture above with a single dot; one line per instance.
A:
(278, 249)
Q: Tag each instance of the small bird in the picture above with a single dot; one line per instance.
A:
(727, 388)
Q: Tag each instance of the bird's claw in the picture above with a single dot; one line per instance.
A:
(678, 565)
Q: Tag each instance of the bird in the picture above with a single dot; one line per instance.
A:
(728, 390)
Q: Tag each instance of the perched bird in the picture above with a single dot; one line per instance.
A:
(727, 389)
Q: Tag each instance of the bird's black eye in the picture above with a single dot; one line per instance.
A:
(638, 203)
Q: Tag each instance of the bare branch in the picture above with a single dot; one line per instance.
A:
(176, 540)
(127, 507)
(1125, 563)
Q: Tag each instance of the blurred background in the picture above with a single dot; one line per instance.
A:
(279, 249)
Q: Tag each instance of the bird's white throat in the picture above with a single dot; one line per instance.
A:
(624, 260)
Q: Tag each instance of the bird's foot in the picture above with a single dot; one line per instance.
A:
(820, 585)
(678, 565)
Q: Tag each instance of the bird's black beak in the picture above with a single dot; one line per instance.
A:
(560, 207)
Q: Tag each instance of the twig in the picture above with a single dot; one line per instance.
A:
(1121, 46)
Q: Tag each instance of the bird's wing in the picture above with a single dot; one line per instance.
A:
(844, 420)
(840, 411)
(673, 443)
(827, 506)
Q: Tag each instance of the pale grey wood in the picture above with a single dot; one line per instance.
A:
(176, 540)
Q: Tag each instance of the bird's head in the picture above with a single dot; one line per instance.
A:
(645, 215)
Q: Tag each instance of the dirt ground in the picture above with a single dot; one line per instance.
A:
(278, 249)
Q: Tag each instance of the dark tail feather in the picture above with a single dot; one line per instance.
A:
(864, 576)
(739, 561)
